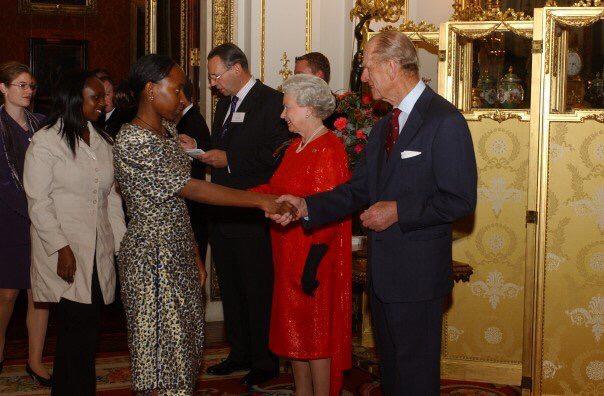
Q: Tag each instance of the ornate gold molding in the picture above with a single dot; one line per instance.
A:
(29, 7)
(478, 33)
(574, 21)
(262, 37)
(221, 21)
(308, 26)
(588, 3)
(599, 117)
(578, 20)
(422, 31)
(474, 11)
(380, 10)
(500, 116)
(285, 71)
(184, 28)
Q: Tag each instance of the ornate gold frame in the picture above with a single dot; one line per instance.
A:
(455, 54)
(422, 32)
(30, 7)
(548, 93)
(307, 33)
(151, 29)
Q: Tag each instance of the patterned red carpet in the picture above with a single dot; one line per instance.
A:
(113, 372)
(113, 379)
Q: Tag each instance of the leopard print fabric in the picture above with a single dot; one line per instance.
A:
(161, 292)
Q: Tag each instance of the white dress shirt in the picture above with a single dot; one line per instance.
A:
(408, 102)
(241, 95)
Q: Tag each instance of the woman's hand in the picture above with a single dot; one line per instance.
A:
(66, 264)
(187, 142)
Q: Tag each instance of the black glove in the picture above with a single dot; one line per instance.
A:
(309, 275)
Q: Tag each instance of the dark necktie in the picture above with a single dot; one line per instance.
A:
(227, 122)
(394, 131)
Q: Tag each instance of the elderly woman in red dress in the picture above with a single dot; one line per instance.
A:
(311, 312)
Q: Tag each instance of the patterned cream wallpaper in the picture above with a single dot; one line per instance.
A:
(573, 321)
(484, 323)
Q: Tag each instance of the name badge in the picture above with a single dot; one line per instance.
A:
(238, 117)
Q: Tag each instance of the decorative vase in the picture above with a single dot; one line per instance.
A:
(488, 94)
(510, 92)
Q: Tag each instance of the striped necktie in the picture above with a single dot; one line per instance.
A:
(227, 122)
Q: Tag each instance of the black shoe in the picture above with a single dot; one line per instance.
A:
(257, 376)
(45, 382)
(227, 367)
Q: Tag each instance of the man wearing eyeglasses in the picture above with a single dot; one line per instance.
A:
(246, 132)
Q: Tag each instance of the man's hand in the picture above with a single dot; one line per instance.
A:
(380, 215)
(187, 142)
(214, 158)
(298, 203)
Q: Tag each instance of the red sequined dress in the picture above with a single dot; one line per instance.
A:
(305, 327)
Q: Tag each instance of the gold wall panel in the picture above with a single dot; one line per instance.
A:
(484, 324)
(573, 303)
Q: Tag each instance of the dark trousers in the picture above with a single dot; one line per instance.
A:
(408, 339)
(245, 275)
(77, 338)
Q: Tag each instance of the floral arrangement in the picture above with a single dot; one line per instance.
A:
(357, 115)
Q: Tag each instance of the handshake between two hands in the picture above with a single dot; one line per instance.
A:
(286, 209)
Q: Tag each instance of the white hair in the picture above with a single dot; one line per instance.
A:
(311, 91)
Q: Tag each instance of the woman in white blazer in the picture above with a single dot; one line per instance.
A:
(77, 226)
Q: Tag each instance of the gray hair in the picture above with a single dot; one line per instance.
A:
(396, 46)
(311, 91)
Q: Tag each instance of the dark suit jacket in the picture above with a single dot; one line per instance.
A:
(119, 117)
(411, 260)
(250, 147)
(194, 125)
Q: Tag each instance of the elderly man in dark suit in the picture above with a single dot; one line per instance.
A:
(246, 133)
(418, 176)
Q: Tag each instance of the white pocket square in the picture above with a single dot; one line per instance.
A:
(410, 154)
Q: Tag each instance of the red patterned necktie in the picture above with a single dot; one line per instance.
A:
(394, 131)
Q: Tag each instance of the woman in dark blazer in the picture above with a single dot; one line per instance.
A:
(17, 126)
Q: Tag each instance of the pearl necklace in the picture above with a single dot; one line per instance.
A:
(312, 135)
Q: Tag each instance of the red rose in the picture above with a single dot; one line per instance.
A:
(340, 123)
(366, 99)
(358, 148)
(360, 134)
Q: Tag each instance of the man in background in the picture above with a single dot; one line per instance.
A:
(246, 133)
(193, 124)
(317, 64)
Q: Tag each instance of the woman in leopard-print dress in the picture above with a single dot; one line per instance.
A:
(160, 284)
(160, 270)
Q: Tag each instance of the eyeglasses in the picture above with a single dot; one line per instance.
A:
(216, 77)
(24, 86)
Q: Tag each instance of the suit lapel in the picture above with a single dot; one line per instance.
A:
(250, 99)
(219, 115)
(410, 130)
